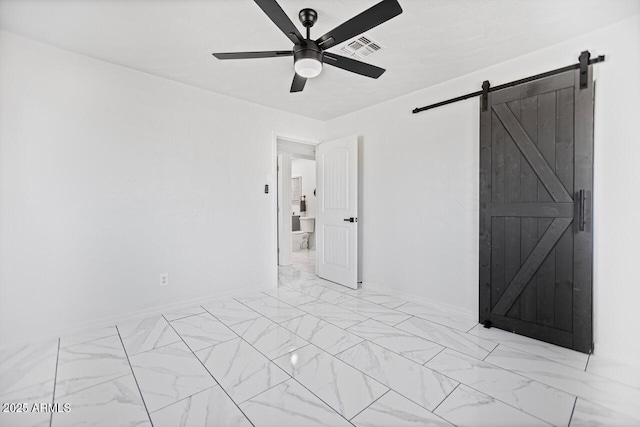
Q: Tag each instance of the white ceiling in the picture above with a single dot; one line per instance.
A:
(431, 42)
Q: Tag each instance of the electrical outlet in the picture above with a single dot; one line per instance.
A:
(164, 279)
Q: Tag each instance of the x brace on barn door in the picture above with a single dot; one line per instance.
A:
(582, 65)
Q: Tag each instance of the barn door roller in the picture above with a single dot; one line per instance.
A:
(584, 69)
(583, 65)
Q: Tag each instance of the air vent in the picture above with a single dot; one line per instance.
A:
(361, 47)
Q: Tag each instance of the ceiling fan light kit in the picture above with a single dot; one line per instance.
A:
(308, 59)
(309, 55)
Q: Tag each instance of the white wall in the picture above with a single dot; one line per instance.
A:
(307, 170)
(420, 192)
(109, 177)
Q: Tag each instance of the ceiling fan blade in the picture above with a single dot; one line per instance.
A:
(368, 19)
(277, 15)
(298, 83)
(248, 55)
(353, 65)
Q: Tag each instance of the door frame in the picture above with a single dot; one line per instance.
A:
(283, 210)
(273, 185)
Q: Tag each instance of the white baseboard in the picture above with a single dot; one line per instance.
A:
(598, 352)
(422, 300)
(135, 315)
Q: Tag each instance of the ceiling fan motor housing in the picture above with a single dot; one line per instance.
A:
(310, 50)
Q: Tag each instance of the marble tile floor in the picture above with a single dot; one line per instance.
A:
(312, 353)
(304, 260)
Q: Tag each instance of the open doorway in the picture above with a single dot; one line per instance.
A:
(303, 205)
(296, 204)
(321, 234)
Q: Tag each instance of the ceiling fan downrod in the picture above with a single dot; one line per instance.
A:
(308, 17)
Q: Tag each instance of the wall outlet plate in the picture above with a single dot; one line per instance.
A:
(164, 279)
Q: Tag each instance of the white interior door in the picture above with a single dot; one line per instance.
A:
(337, 210)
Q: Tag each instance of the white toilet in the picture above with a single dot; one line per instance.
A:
(301, 239)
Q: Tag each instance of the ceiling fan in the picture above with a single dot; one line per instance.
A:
(309, 55)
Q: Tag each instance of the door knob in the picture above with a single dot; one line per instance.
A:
(352, 219)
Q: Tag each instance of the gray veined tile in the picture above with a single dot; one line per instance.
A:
(114, 403)
(344, 388)
(290, 405)
(440, 316)
(209, 408)
(306, 273)
(593, 388)
(537, 399)
(587, 414)
(549, 351)
(286, 270)
(91, 363)
(468, 407)
(274, 309)
(268, 337)
(183, 312)
(408, 345)
(326, 294)
(395, 410)
(294, 273)
(240, 369)
(323, 334)
(365, 291)
(202, 330)
(614, 370)
(82, 337)
(452, 338)
(375, 311)
(331, 313)
(289, 296)
(416, 382)
(230, 311)
(249, 296)
(146, 334)
(25, 419)
(334, 286)
(383, 299)
(357, 292)
(168, 374)
(294, 283)
(304, 259)
(391, 319)
(27, 374)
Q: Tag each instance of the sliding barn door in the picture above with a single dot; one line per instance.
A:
(536, 181)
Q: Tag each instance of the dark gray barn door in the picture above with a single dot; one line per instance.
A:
(536, 163)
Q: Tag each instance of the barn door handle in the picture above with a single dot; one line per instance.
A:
(581, 197)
